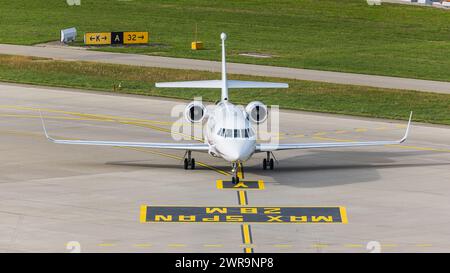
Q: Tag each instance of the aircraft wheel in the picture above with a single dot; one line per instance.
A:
(192, 163)
(235, 180)
(264, 164)
(186, 164)
(271, 163)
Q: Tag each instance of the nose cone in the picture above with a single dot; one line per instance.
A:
(234, 155)
(237, 150)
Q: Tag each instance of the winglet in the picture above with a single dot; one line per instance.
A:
(43, 126)
(407, 129)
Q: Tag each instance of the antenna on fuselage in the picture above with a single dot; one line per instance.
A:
(223, 37)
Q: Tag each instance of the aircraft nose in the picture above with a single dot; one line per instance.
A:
(239, 151)
(234, 154)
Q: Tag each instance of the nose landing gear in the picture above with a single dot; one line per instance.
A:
(189, 162)
(238, 172)
(268, 161)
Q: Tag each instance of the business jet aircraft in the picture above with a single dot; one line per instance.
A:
(228, 128)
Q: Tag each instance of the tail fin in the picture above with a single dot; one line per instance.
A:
(223, 84)
(223, 37)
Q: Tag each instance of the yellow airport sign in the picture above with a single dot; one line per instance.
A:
(135, 37)
(97, 38)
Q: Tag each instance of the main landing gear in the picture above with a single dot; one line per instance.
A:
(189, 162)
(268, 161)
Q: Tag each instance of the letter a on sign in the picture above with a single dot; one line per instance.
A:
(116, 38)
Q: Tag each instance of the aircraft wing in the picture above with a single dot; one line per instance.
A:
(174, 146)
(267, 147)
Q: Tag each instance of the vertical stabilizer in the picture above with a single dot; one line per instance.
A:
(223, 37)
(223, 83)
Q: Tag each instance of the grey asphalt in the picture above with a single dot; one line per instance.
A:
(69, 53)
(52, 194)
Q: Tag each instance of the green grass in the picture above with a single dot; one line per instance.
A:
(302, 95)
(338, 35)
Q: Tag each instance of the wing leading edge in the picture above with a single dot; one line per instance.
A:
(267, 147)
(173, 146)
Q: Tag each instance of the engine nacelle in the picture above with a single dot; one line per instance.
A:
(195, 112)
(256, 111)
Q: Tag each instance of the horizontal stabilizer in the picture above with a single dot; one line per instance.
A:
(218, 84)
(191, 84)
(248, 84)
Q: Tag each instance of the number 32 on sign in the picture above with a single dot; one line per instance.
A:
(135, 37)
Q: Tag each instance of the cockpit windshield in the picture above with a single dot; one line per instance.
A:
(235, 133)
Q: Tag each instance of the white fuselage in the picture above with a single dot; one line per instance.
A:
(229, 133)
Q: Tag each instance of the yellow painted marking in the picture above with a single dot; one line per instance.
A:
(381, 128)
(186, 136)
(319, 245)
(424, 245)
(143, 215)
(333, 139)
(246, 231)
(94, 116)
(46, 117)
(241, 184)
(248, 250)
(247, 245)
(320, 133)
(340, 132)
(142, 245)
(261, 184)
(353, 245)
(389, 245)
(359, 130)
(176, 245)
(218, 245)
(343, 213)
(14, 132)
(176, 157)
(420, 148)
(106, 245)
(242, 198)
(269, 214)
(282, 245)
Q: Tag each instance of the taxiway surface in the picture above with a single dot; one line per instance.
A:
(52, 194)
